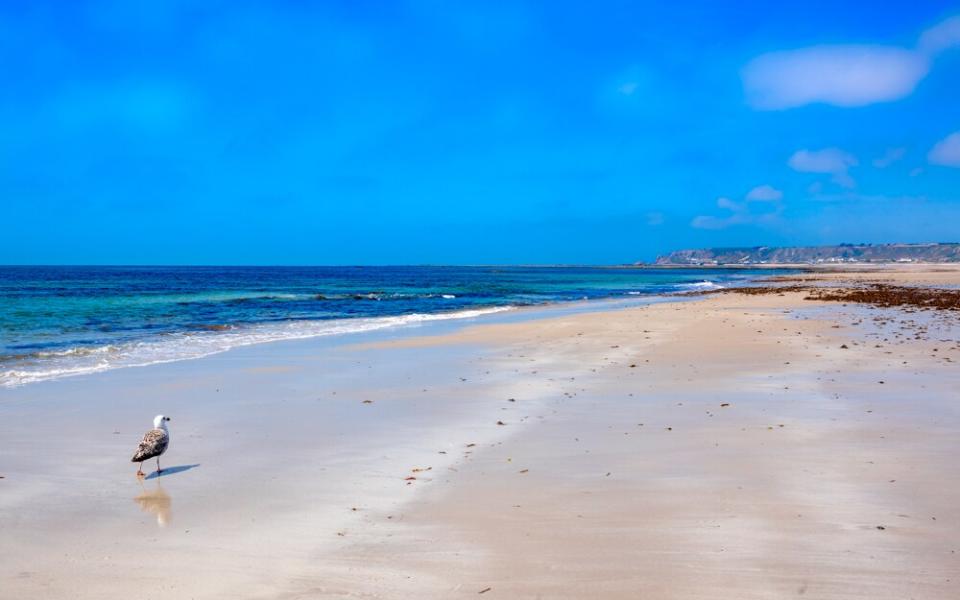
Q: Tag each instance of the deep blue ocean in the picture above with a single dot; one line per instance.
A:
(59, 321)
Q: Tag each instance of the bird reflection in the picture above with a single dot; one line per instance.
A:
(155, 502)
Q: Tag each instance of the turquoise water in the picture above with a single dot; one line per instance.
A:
(59, 321)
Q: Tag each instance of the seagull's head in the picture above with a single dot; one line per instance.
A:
(160, 422)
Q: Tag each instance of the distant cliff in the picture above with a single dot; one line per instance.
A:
(843, 253)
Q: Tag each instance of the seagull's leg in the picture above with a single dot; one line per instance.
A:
(140, 468)
(158, 466)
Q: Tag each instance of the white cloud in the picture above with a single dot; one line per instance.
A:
(741, 213)
(839, 75)
(844, 74)
(947, 151)
(764, 193)
(832, 161)
(737, 218)
(889, 157)
(828, 160)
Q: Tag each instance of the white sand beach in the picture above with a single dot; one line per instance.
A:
(725, 446)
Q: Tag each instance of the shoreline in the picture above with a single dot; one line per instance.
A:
(213, 339)
(729, 444)
(241, 337)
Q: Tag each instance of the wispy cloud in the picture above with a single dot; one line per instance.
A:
(844, 74)
(746, 212)
(940, 37)
(830, 161)
(710, 222)
(889, 157)
(729, 204)
(947, 151)
(764, 193)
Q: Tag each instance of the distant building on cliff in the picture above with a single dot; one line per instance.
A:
(842, 253)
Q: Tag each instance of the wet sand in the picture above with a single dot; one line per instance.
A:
(731, 446)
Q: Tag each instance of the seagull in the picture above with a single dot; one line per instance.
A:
(153, 444)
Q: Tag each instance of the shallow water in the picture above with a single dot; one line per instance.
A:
(59, 321)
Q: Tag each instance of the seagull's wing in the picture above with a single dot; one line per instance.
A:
(154, 442)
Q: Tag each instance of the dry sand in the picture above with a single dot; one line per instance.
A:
(933, 274)
(728, 447)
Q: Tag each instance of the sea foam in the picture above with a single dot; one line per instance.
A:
(702, 285)
(171, 347)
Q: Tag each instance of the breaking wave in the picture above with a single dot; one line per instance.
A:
(39, 366)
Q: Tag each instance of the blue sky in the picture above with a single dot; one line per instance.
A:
(440, 132)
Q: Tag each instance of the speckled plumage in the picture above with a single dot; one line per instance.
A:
(154, 443)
